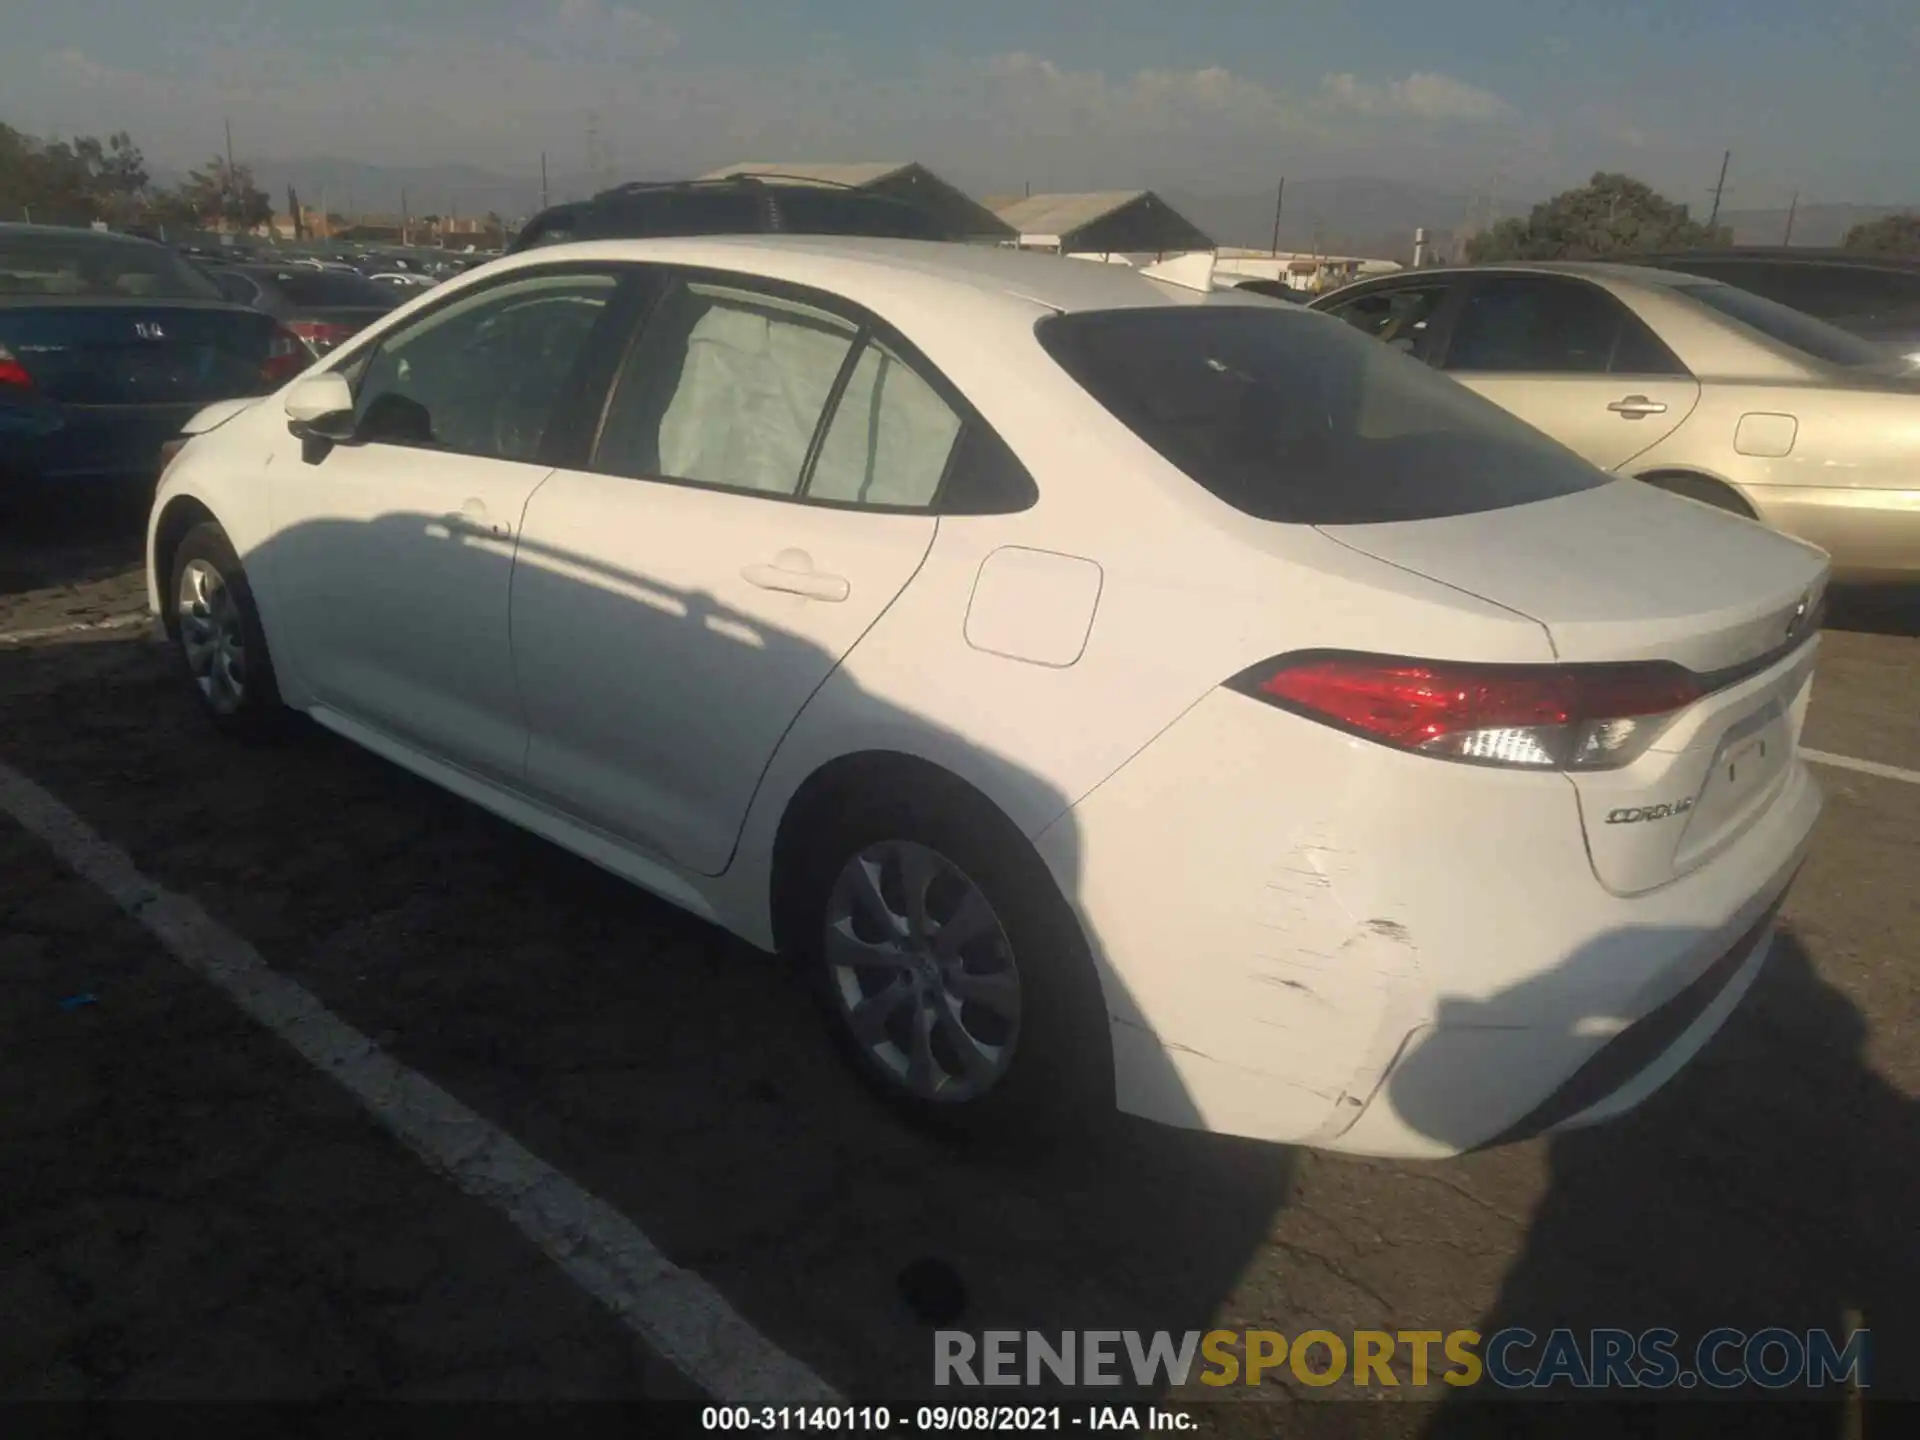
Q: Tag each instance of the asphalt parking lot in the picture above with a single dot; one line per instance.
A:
(192, 1210)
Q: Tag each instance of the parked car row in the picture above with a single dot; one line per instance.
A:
(109, 345)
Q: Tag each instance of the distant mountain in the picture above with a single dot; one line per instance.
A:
(1812, 224)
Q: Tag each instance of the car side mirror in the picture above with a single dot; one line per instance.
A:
(320, 407)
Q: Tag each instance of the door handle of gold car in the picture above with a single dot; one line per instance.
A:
(1638, 407)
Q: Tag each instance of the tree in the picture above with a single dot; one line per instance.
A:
(72, 182)
(223, 196)
(1889, 235)
(1613, 214)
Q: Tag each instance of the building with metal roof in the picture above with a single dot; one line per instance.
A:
(901, 179)
(1101, 222)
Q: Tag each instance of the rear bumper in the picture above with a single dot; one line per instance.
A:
(77, 445)
(1313, 939)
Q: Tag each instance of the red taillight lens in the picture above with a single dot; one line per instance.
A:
(1559, 717)
(287, 356)
(12, 372)
(319, 334)
(170, 451)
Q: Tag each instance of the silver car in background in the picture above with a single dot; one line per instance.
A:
(1689, 384)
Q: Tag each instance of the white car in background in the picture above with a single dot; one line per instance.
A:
(1109, 688)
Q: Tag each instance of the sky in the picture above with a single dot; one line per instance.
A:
(1205, 96)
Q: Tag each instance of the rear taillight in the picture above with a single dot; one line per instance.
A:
(170, 452)
(12, 373)
(287, 356)
(1541, 717)
(320, 335)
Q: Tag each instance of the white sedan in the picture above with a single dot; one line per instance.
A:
(1111, 690)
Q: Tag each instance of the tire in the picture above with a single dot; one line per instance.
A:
(1058, 1076)
(1707, 492)
(217, 635)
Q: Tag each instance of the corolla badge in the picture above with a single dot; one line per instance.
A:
(1638, 813)
(149, 330)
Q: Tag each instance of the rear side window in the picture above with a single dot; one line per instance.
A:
(1289, 416)
(1401, 317)
(1553, 327)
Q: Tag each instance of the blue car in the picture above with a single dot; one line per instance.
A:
(108, 344)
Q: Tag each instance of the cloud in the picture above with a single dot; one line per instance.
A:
(1423, 95)
(597, 24)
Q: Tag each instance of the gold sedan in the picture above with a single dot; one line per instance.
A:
(1686, 383)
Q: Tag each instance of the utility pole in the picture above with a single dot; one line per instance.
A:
(1719, 186)
(1792, 209)
(543, 179)
(1279, 199)
(228, 189)
(403, 214)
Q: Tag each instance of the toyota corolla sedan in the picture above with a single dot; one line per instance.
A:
(1692, 385)
(1111, 690)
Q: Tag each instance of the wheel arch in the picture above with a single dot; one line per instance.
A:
(176, 520)
(900, 772)
(1696, 484)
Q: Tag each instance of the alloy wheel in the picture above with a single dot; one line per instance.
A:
(211, 637)
(921, 968)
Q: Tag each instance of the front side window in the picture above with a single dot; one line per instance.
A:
(725, 387)
(482, 375)
(1401, 317)
(1288, 416)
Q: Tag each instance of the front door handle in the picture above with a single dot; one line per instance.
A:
(1638, 407)
(797, 577)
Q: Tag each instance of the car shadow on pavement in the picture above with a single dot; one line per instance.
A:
(1875, 610)
(1770, 1184)
(673, 1071)
(67, 539)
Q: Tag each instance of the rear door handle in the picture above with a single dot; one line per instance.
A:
(1636, 407)
(795, 581)
(472, 519)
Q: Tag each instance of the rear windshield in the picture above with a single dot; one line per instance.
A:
(1792, 328)
(86, 264)
(1294, 416)
(327, 289)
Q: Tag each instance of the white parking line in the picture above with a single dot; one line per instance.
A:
(79, 627)
(1865, 767)
(683, 1318)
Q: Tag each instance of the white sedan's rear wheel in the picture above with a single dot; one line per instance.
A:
(954, 974)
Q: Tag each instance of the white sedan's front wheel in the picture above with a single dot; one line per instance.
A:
(217, 632)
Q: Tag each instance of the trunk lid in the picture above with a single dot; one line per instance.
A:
(1626, 573)
(88, 352)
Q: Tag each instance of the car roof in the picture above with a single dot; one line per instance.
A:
(846, 262)
(1616, 270)
(82, 233)
(1787, 254)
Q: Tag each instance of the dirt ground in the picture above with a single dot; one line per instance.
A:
(189, 1211)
